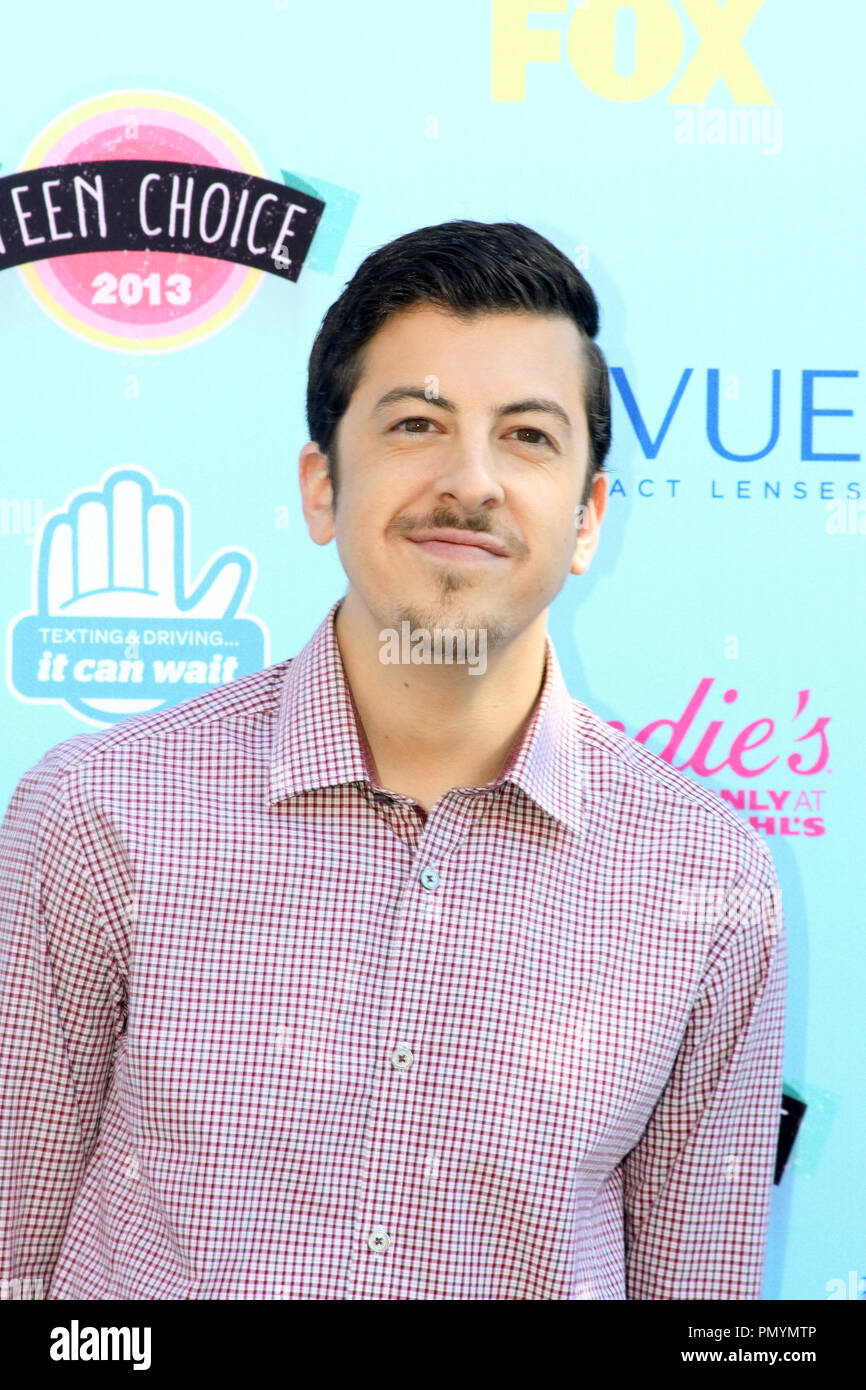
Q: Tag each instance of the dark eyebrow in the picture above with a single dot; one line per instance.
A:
(417, 393)
(535, 403)
(412, 393)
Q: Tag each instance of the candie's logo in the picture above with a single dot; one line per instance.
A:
(779, 804)
(657, 48)
(117, 627)
(142, 221)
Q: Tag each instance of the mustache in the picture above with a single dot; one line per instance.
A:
(441, 520)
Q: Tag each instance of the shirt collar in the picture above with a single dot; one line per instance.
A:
(320, 741)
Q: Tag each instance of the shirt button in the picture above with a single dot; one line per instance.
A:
(401, 1057)
(429, 878)
(379, 1240)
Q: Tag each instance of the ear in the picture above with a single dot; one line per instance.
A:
(590, 525)
(317, 495)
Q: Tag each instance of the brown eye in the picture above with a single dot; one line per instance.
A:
(530, 429)
(412, 420)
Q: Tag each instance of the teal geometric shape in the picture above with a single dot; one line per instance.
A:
(821, 1106)
(340, 204)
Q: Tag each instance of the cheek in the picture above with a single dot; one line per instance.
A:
(361, 527)
(549, 524)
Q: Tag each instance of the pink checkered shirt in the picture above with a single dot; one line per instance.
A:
(269, 1033)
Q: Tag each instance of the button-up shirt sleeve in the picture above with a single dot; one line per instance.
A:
(697, 1186)
(60, 1009)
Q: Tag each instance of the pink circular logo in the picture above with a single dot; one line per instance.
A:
(143, 300)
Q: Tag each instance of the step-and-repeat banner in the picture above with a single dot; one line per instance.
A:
(184, 190)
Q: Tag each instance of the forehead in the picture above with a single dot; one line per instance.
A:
(496, 349)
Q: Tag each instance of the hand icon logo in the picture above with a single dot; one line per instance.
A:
(118, 628)
(122, 552)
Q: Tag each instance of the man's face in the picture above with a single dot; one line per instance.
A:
(462, 425)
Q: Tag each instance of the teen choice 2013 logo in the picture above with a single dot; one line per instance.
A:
(143, 222)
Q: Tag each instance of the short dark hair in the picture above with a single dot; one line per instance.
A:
(468, 268)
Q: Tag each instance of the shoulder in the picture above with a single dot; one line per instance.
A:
(631, 788)
(197, 721)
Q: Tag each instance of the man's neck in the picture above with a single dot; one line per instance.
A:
(434, 726)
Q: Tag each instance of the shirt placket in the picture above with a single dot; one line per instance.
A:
(385, 1258)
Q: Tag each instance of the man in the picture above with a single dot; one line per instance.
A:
(366, 978)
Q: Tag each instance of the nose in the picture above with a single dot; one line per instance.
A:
(468, 475)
